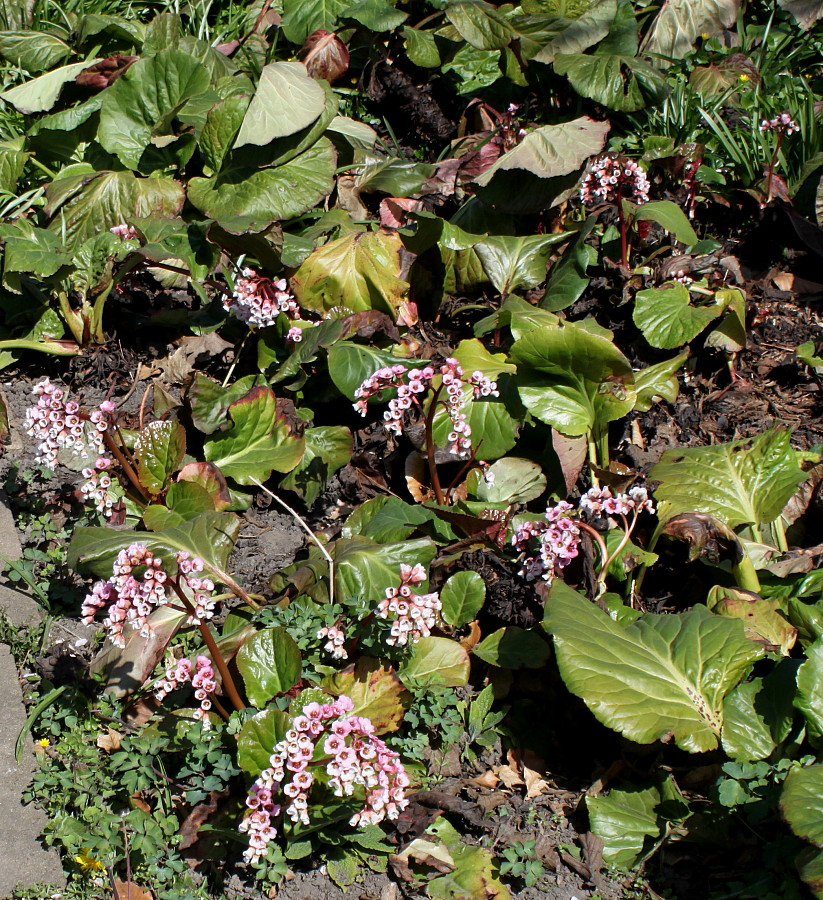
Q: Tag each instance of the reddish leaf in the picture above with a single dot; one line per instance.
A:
(103, 73)
(324, 55)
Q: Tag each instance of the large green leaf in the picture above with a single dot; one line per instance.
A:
(286, 101)
(210, 536)
(805, 12)
(360, 271)
(351, 364)
(281, 192)
(572, 378)
(552, 150)
(82, 206)
(680, 22)
(40, 94)
(257, 738)
(32, 250)
(436, 662)
(809, 699)
(270, 664)
(365, 568)
(223, 121)
(34, 51)
(302, 17)
(386, 519)
(517, 262)
(328, 448)
(259, 442)
(662, 675)
(513, 648)
(624, 83)
(802, 802)
(479, 24)
(567, 277)
(471, 872)
(511, 481)
(746, 482)
(139, 109)
(579, 28)
(669, 215)
(209, 400)
(159, 452)
(667, 318)
(632, 822)
(757, 715)
(376, 691)
(462, 597)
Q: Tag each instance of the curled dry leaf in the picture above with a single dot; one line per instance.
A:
(130, 891)
(708, 538)
(103, 73)
(324, 56)
(110, 740)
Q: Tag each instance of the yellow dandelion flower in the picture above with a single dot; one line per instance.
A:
(88, 864)
(44, 742)
(744, 77)
(705, 35)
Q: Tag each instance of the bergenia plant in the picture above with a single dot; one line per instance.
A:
(781, 126)
(549, 544)
(611, 180)
(411, 386)
(326, 745)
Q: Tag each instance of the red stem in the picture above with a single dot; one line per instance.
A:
(435, 478)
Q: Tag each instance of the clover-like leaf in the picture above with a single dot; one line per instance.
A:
(259, 442)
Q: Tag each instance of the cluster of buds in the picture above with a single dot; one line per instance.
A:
(202, 680)
(410, 383)
(414, 614)
(59, 424)
(782, 124)
(131, 600)
(97, 488)
(258, 300)
(610, 178)
(125, 232)
(559, 532)
(558, 540)
(602, 502)
(335, 638)
(353, 756)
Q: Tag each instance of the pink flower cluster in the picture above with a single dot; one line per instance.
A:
(335, 638)
(558, 540)
(58, 423)
(782, 124)
(558, 533)
(415, 614)
(608, 178)
(354, 756)
(258, 300)
(409, 383)
(97, 488)
(202, 680)
(125, 232)
(601, 501)
(131, 600)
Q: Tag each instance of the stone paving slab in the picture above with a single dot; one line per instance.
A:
(24, 861)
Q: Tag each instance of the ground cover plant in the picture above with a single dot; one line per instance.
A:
(418, 414)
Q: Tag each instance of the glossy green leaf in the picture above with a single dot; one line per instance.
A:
(479, 24)
(360, 271)
(209, 400)
(552, 150)
(744, 482)
(40, 94)
(579, 28)
(281, 192)
(386, 519)
(661, 675)
(517, 262)
(633, 821)
(302, 17)
(513, 648)
(375, 690)
(223, 122)
(159, 452)
(462, 596)
(257, 738)
(472, 872)
(327, 449)
(670, 216)
(286, 101)
(511, 481)
(802, 803)
(139, 108)
(679, 23)
(436, 662)
(421, 47)
(270, 664)
(34, 51)
(623, 83)
(351, 364)
(658, 381)
(809, 699)
(185, 500)
(259, 442)
(667, 318)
